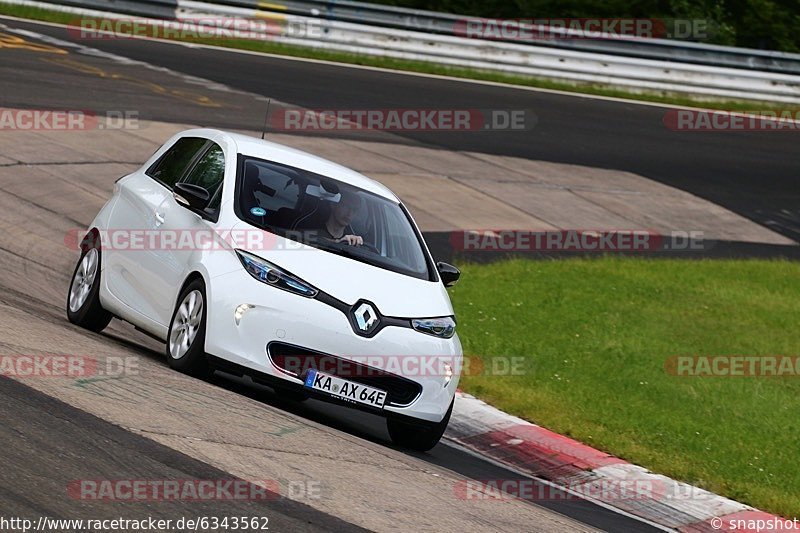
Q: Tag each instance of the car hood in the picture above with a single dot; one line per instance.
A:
(349, 280)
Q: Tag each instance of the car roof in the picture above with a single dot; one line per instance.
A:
(279, 153)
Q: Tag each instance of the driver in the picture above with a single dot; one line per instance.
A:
(337, 228)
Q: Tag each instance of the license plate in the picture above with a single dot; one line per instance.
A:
(344, 389)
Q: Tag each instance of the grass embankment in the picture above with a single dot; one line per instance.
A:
(597, 334)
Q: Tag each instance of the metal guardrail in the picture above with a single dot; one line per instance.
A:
(162, 9)
(617, 70)
(446, 24)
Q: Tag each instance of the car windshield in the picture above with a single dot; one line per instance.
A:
(330, 215)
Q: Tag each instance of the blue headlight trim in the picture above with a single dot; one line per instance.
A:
(442, 327)
(268, 273)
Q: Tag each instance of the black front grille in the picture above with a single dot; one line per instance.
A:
(297, 361)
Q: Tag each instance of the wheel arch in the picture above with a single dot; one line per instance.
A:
(192, 276)
(90, 240)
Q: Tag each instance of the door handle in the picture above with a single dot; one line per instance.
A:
(159, 218)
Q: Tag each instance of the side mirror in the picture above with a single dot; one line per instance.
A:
(448, 273)
(191, 196)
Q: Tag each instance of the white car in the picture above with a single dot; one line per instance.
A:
(257, 259)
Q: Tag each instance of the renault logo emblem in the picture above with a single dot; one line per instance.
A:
(366, 317)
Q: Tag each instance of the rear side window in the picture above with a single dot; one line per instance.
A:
(173, 164)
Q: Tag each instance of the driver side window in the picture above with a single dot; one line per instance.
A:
(172, 165)
(209, 173)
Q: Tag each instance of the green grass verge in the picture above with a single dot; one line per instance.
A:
(596, 333)
(427, 68)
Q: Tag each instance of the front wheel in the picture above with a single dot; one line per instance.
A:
(186, 340)
(83, 299)
(416, 436)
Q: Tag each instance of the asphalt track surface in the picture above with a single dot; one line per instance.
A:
(46, 442)
(755, 174)
(45, 445)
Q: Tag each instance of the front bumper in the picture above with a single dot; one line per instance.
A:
(270, 316)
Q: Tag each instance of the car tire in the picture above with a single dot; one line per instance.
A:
(186, 338)
(416, 436)
(83, 297)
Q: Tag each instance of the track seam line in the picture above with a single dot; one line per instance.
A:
(262, 448)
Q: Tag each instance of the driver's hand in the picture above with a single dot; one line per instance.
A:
(352, 240)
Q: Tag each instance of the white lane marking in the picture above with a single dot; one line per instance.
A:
(122, 60)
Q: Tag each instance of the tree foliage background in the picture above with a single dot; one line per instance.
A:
(764, 24)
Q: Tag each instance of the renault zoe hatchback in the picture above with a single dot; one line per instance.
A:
(256, 259)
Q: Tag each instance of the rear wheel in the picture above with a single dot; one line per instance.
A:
(83, 299)
(418, 436)
(186, 340)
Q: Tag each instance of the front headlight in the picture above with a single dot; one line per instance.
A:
(444, 327)
(266, 272)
